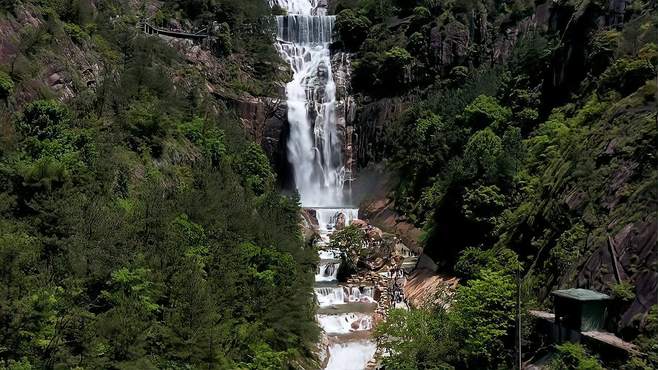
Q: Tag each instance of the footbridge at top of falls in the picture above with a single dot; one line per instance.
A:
(150, 29)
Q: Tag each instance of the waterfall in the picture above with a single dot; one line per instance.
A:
(314, 146)
(316, 107)
(350, 356)
(330, 296)
(329, 217)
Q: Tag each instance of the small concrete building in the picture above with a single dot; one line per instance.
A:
(579, 316)
(581, 310)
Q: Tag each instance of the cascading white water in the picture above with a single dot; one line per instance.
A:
(351, 356)
(345, 323)
(314, 147)
(331, 296)
(327, 271)
(315, 153)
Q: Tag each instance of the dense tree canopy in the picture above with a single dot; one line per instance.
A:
(140, 228)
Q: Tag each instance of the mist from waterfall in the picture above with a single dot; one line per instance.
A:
(314, 147)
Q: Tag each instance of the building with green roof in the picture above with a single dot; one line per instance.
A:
(580, 309)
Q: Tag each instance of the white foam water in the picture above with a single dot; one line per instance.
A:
(329, 254)
(345, 323)
(351, 355)
(332, 296)
(327, 271)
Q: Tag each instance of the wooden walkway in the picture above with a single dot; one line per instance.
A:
(153, 30)
(598, 336)
(611, 340)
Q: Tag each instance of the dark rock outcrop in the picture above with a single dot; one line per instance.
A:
(636, 256)
(381, 213)
(369, 124)
(266, 121)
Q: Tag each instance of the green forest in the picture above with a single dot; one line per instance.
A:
(507, 165)
(142, 227)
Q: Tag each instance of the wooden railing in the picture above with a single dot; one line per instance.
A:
(150, 29)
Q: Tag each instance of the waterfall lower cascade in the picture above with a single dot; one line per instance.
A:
(315, 151)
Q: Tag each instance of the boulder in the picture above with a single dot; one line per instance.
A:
(340, 222)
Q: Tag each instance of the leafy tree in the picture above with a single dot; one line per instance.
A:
(416, 339)
(483, 315)
(648, 342)
(395, 67)
(482, 155)
(473, 261)
(6, 85)
(483, 206)
(627, 74)
(485, 111)
(43, 119)
(255, 168)
(351, 241)
(569, 248)
(352, 28)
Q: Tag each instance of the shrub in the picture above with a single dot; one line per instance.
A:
(75, 32)
(421, 16)
(395, 67)
(485, 111)
(365, 72)
(603, 48)
(42, 119)
(623, 291)
(472, 261)
(6, 85)
(626, 75)
(572, 356)
(568, 248)
(352, 28)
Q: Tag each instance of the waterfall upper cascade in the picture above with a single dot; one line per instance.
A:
(315, 151)
(314, 146)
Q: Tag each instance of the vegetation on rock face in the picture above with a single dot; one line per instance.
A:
(474, 333)
(519, 155)
(139, 228)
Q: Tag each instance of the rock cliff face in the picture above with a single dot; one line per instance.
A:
(632, 251)
(450, 44)
(370, 121)
(265, 119)
(74, 68)
(345, 108)
(609, 197)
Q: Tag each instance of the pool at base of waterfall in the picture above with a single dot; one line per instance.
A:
(353, 355)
